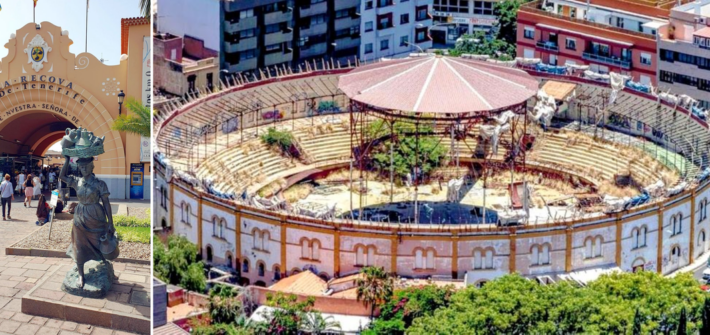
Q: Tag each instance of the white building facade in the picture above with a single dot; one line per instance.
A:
(454, 18)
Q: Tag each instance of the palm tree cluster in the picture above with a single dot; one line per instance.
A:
(374, 287)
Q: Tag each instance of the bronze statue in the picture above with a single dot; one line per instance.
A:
(93, 233)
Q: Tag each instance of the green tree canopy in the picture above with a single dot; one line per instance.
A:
(137, 122)
(177, 264)
(374, 287)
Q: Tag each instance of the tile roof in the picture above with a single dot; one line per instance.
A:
(306, 283)
(705, 32)
(438, 85)
(169, 329)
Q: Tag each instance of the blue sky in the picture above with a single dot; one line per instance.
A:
(104, 22)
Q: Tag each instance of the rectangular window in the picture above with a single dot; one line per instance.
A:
(368, 48)
(343, 13)
(571, 44)
(422, 13)
(246, 13)
(384, 3)
(368, 26)
(404, 19)
(318, 19)
(247, 33)
(275, 28)
(249, 54)
(404, 41)
(645, 58)
(368, 5)
(384, 21)
(273, 48)
(529, 33)
(482, 8)
(384, 44)
(421, 35)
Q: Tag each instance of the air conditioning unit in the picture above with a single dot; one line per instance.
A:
(701, 20)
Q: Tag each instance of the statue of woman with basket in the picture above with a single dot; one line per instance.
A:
(93, 233)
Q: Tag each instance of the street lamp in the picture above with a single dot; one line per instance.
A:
(121, 96)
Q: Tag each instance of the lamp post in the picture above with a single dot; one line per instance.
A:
(121, 96)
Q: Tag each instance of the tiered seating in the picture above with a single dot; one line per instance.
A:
(325, 141)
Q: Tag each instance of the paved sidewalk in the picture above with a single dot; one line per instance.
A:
(19, 274)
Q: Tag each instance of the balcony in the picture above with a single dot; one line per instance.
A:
(548, 45)
(613, 61)
(316, 9)
(318, 29)
(246, 23)
(277, 17)
(245, 65)
(277, 58)
(342, 4)
(346, 22)
(243, 44)
(278, 37)
(314, 50)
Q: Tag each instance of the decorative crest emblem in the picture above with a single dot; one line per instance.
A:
(37, 52)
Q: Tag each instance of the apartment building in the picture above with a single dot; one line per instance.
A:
(183, 65)
(274, 33)
(607, 35)
(394, 28)
(684, 52)
(454, 18)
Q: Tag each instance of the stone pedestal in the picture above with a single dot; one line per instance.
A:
(98, 277)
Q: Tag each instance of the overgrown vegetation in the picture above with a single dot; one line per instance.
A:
(177, 264)
(501, 44)
(130, 221)
(431, 152)
(134, 234)
(280, 139)
(609, 305)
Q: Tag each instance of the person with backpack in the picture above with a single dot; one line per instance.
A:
(7, 195)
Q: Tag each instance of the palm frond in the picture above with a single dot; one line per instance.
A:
(135, 122)
(144, 6)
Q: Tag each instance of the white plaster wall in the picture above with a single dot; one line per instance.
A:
(160, 213)
(501, 259)
(523, 256)
(383, 247)
(406, 258)
(272, 255)
(221, 247)
(579, 252)
(648, 253)
(700, 247)
(682, 239)
(293, 251)
(179, 227)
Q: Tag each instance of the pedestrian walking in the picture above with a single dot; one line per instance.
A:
(29, 190)
(7, 195)
(37, 183)
(21, 181)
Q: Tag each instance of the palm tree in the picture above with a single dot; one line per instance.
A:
(145, 8)
(374, 287)
(136, 123)
(315, 323)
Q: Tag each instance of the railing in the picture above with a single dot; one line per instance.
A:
(534, 7)
(548, 45)
(626, 64)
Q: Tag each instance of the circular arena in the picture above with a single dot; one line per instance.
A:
(434, 167)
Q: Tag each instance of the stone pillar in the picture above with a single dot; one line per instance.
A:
(199, 224)
(393, 254)
(238, 235)
(692, 239)
(336, 253)
(568, 248)
(455, 255)
(283, 246)
(619, 228)
(659, 249)
(513, 237)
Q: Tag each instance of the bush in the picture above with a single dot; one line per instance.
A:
(277, 138)
(178, 265)
(134, 234)
(130, 221)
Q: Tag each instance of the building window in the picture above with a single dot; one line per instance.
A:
(571, 44)
(422, 13)
(384, 21)
(209, 254)
(421, 35)
(483, 7)
(529, 33)
(318, 19)
(368, 26)
(701, 240)
(245, 266)
(260, 269)
(593, 247)
(273, 48)
(638, 237)
(540, 254)
(404, 40)
(703, 212)
(645, 58)
(310, 249)
(277, 272)
(451, 6)
(677, 223)
(246, 13)
(191, 83)
(384, 44)
(675, 253)
(368, 5)
(368, 48)
(365, 256)
(424, 259)
(482, 259)
(384, 3)
(249, 54)
(260, 239)
(404, 18)
(666, 77)
(343, 13)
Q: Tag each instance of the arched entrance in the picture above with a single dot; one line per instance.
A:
(39, 99)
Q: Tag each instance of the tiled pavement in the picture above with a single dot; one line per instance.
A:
(19, 274)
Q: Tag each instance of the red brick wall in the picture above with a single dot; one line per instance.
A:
(195, 48)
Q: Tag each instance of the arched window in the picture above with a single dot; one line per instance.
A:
(305, 249)
(545, 254)
(265, 236)
(209, 254)
(164, 224)
(419, 259)
(477, 259)
(642, 240)
(703, 213)
(430, 259)
(214, 226)
(593, 247)
(540, 254)
(229, 261)
(277, 272)
(360, 256)
(701, 240)
(315, 250)
(260, 269)
(245, 266)
(675, 253)
(483, 258)
(256, 235)
(677, 222)
(183, 208)
(222, 225)
(370, 255)
(598, 246)
(489, 259)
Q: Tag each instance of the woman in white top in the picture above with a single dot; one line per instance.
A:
(37, 185)
(7, 195)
